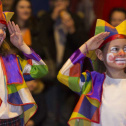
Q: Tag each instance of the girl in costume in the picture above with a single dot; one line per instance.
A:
(16, 103)
(102, 95)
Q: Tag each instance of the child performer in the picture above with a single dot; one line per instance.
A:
(16, 103)
(102, 95)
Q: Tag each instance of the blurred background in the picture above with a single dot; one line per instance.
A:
(55, 29)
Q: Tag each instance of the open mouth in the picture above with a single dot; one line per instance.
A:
(120, 60)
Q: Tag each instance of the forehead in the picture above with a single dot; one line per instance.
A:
(23, 2)
(117, 42)
(118, 14)
(2, 25)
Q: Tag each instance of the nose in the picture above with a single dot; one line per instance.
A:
(121, 53)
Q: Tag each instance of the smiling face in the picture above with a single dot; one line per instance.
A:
(2, 33)
(114, 54)
(23, 10)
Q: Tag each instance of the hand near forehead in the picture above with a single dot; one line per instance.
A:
(15, 35)
(94, 42)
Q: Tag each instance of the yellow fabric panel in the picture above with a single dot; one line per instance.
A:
(63, 79)
(29, 113)
(8, 16)
(93, 102)
(92, 55)
(121, 28)
(22, 62)
(100, 22)
(20, 86)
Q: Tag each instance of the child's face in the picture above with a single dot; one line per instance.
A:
(2, 33)
(114, 54)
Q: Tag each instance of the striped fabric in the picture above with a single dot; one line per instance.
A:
(87, 85)
(16, 72)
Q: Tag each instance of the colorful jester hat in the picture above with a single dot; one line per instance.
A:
(5, 16)
(118, 32)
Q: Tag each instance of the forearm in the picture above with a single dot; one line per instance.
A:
(84, 48)
(25, 49)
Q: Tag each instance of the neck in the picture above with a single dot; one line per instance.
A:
(116, 73)
(21, 23)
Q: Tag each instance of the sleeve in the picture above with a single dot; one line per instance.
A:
(70, 74)
(33, 67)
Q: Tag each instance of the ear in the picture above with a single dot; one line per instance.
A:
(99, 54)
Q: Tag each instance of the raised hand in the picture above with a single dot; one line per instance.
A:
(94, 42)
(17, 39)
(15, 35)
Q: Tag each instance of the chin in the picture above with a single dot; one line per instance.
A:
(119, 66)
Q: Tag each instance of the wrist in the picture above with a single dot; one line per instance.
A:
(87, 50)
(25, 49)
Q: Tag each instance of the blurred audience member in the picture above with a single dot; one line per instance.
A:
(61, 33)
(117, 15)
(24, 18)
(36, 87)
(7, 4)
(87, 8)
(27, 23)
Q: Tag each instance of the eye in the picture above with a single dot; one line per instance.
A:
(124, 49)
(4, 28)
(114, 49)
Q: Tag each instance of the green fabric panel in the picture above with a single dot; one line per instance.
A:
(87, 87)
(99, 29)
(74, 84)
(11, 89)
(38, 71)
(80, 115)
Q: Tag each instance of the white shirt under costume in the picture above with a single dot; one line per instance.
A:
(113, 107)
(7, 111)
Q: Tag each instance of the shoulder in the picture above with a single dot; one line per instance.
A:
(97, 75)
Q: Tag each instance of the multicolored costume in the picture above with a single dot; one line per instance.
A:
(14, 93)
(89, 85)
(16, 72)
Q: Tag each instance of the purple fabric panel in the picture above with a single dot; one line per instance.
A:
(98, 80)
(33, 56)
(12, 69)
(77, 57)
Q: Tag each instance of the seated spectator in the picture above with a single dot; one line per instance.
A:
(36, 87)
(117, 15)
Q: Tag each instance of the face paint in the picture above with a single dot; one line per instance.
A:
(110, 58)
(2, 35)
